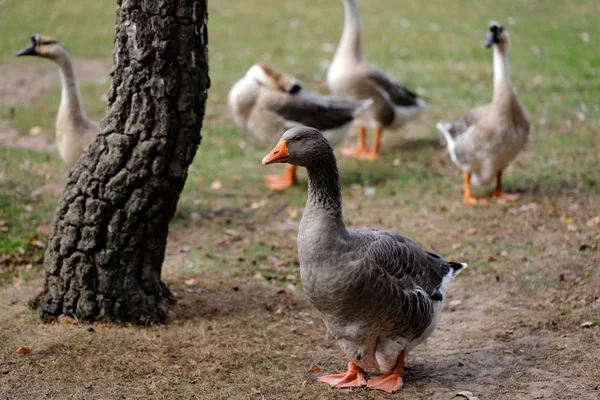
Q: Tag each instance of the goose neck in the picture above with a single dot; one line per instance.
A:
(70, 107)
(325, 193)
(502, 79)
(350, 46)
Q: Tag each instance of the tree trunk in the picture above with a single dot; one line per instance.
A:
(108, 242)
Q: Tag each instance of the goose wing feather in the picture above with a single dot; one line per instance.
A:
(313, 110)
(398, 93)
(412, 267)
(462, 125)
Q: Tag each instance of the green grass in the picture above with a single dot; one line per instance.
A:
(426, 44)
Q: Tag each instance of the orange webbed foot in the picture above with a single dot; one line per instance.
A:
(354, 377)
(506, 196)
(358, 152)
(474, 201)
(279, 182)
(388, 383)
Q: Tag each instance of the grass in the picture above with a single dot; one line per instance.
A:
(245, 329)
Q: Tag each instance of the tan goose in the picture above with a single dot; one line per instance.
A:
(266, 102)
(484, 141)
(74, 130)
(379, 293)
(350, 76)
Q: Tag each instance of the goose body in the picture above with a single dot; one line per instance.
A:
(266, 102)
(74, 130)
(350, 76)
(379, 293)
(484, 141)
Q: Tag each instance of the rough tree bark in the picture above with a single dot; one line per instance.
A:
(108, 241)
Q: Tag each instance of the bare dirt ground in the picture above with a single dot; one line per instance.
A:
(26, 83)
(516, 323)
(522, 322)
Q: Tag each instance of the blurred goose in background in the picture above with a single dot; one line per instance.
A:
(74, 130)
(267, 101)
(350, 76)
(379, 293)
(484, 141)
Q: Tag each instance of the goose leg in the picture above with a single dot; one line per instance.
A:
(468, 195)
(361, 148)
(392, 381)
(281, 182)
(499, 194)
(372, 155)
(354, 377)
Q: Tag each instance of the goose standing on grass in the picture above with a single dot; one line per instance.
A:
(74, 130)
(379, 293)
(266, 102)
(484, 141)
(350, 76)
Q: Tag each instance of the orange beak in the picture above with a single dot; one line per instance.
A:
(278, 155)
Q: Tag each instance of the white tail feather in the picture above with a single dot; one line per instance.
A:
(365, 105)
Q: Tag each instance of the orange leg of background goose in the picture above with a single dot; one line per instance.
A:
(499, 194)
(361, 148)
(281, 182)
(354, 377)
(392, 381)
(468, 196)
(372, 155)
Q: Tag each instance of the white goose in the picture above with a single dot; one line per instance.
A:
(74, 130)
(350, 76)
(267, 101)
(484, 141)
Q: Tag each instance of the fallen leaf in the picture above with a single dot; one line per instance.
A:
(216, 185)
(593, 221)
(24, 350)
(65, 319)
(279, 310)
(587, 324)
(191, 282)
(259, 276)
(315, 369)
(454, 303)
(467, 394)
(568, 221)
(35, 131)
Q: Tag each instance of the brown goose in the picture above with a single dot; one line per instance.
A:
(379, 293)
(350, 76)
(267, 101)
(74, 130)
(484, 141)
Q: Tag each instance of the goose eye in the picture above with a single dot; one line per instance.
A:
(297, 139)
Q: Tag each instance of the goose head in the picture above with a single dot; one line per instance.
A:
(497, 35)
(43, 46)
(274, 79)
(301, 146)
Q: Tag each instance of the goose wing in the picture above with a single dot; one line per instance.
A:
(398, 93)
(412, 266)
(314, 110)
(461, 125)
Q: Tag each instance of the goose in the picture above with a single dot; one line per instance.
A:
(350, 76)
(379, 293)
(488, 137)
(267, 101)
(74, 130)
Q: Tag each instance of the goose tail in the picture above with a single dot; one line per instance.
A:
(364, 106)
(444, 127)
(457, 267)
